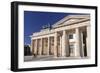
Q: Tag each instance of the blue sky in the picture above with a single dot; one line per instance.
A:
(33, 21)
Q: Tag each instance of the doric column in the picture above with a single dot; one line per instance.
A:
(60, 46)
(82, 45)
(64, 43)
(88, 40)
(36, 44)
(55, 45)
(40, 48)
(43, 46)
(77, 48)
(67, 45)
(48, 46)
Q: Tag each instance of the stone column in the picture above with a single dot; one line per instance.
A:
(40, 48)
(64, 43)
(36, 44)
(67, 46)
(88, 40)
(48, 46)
(77, 48)
(82, 44)
(43, 46)
(60, 46)
(55, 45)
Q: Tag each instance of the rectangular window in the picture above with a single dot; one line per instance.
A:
(71, 36)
